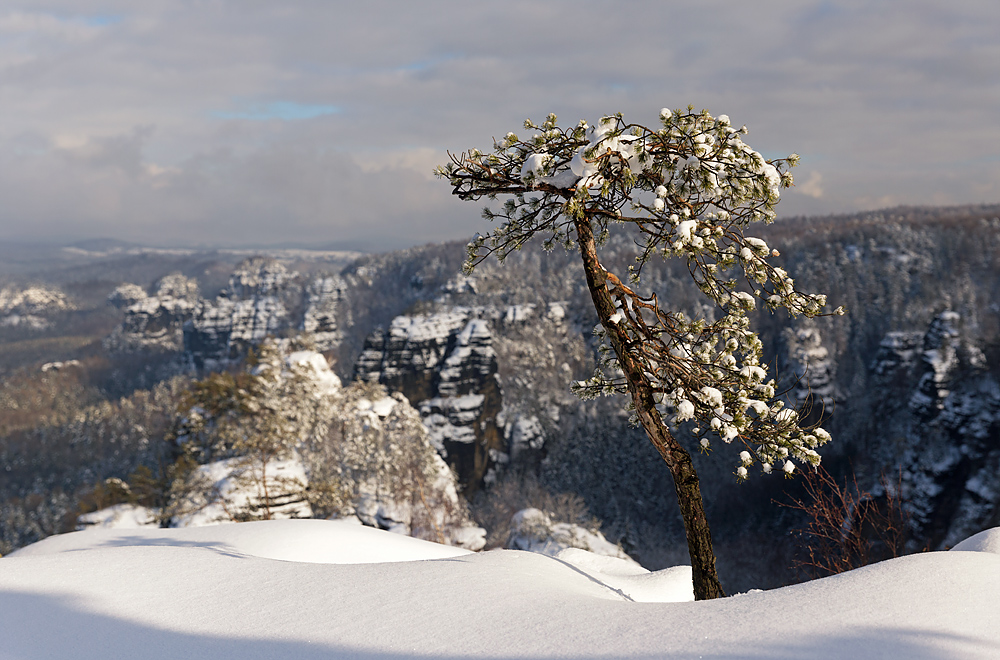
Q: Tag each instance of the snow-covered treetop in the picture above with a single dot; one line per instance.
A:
(688, 188)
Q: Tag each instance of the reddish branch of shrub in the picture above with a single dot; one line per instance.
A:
(847, 527)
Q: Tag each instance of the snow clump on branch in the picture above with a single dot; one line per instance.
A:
(688, 187)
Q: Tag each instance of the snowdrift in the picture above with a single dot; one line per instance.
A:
(321, 589)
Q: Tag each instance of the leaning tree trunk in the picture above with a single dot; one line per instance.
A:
(699, 537)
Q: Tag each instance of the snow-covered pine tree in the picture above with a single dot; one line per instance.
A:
(253, 420)
(685, 189)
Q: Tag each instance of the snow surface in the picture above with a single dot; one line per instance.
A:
(671, 585)
(304, 540)
(234, 486)
(327, 381)
(985, 541)
(291, 589)
(124, 516)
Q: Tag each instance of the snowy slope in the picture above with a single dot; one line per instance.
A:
(295, 589)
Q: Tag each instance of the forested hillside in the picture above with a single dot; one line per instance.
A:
(907, 381)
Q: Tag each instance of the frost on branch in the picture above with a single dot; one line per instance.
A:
(687, 188)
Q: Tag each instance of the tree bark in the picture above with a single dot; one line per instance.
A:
(678, 460)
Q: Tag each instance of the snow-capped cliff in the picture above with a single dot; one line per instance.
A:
(263, 299)
(444, 363)
(32, 306)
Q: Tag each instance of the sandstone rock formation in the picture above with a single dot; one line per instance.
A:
(31, 306)
(263, 298)
(940, 405)
(444, 363)
(153, 322)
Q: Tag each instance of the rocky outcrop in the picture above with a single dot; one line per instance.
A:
(534, 530)
(378, 462)
(325, 315)
(526, 434)
(444, 363)
(265, 299)
(897, 354)
(262, 299)
(153, 322)
(178, 287)
(31, 307)
(941, 407)
(225, 329)
(126, 295)
(253, 306)
(402, 517)
(813, 371)
(258, 277)
(944, 353)
(408, 357)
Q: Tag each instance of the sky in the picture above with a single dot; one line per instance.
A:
(318, 123)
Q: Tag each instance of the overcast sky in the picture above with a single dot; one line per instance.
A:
(318, 123)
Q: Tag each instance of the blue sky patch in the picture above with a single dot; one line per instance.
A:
(419, 66)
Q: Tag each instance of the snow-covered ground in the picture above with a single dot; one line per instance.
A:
(310, 589)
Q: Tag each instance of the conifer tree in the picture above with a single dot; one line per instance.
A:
(255, 418)
(685, 189)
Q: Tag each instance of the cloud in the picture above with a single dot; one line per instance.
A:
(419, 160)
(811, 187)
(311, 121)
(288, 193)
(286, 110)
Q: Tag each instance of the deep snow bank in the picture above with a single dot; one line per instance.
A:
(310, 541)
(217, 592)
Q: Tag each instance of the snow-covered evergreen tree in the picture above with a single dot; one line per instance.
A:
(685, 189)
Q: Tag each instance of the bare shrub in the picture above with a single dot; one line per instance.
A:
(847, 527)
